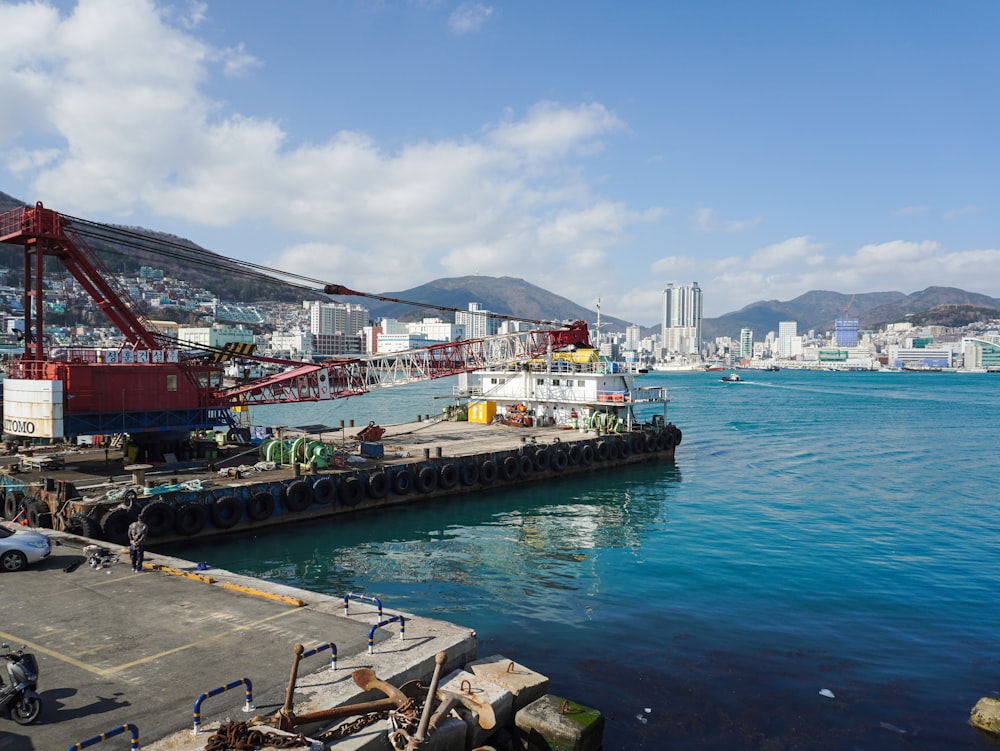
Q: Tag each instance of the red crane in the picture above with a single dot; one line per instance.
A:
(147, 385)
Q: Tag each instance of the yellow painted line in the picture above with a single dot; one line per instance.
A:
(226, 585)
(260, 593)
(178, 572)
(149, 658)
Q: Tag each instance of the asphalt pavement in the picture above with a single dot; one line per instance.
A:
(116, 647)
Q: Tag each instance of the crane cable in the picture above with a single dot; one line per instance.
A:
(193, 254)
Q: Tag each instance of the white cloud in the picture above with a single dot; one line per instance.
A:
(134, 133)
(469, 17)
(236, 61)
(707, 220)
(909, 211)
(552, 130)
(787, 252)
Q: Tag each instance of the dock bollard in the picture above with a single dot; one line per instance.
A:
(316, 650)
(248, 707)
(129, 728)
(437, 452)
(386, 622)
(427, 454)
(363, 598)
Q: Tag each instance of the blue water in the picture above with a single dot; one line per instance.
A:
(819, 530)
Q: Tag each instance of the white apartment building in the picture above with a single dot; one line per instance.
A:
(682, 319)
(336, 317)
(477, 322)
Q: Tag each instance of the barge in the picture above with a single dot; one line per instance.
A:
(530, 423)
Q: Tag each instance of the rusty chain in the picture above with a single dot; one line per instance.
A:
(345, 729)
(238, 736)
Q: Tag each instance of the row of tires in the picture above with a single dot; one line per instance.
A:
(169, 518)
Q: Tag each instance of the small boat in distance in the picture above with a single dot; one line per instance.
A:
(732, 378)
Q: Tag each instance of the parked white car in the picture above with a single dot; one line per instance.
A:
(20, 547)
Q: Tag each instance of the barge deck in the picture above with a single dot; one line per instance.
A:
(97, 493)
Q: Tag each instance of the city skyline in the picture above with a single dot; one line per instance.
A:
(764, 150)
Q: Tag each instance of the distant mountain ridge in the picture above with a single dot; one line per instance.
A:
(816, 309)
(505, 294)
(819, 309)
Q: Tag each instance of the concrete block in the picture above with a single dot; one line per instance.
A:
(524, 684)
(986, 715)
(448, 736)
(565, 725)
(374, 737)
(499, 698)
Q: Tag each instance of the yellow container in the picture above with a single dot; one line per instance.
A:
(482, 412)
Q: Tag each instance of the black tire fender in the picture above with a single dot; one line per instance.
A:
(299, 496)
(427, 479)
(587, 454)
(469, 473)
(625, 448)
(114, 526)
(402, 482)
(542, 460)
(260, 506)
(12, 504)
(447, 476)
(488, 472)
(324, 491)
(603, 451)
(525, 465)
(352, 490)
(636, 443)
(158, 516)
(39, 514)
(83, 525)
(378, 485)
(191, 518)
(510, 468)
(575, 455)
(226, 511)
(559, 460)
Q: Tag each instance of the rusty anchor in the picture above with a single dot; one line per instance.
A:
(399, 699)
(448, 700)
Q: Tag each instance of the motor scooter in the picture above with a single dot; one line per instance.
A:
(18, 698)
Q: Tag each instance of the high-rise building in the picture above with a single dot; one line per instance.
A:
(846, 332)
(336, 318)
(682, 319)
(787, 332)
(335, 327)
(746, 344)
(478, 322)
(633, 335)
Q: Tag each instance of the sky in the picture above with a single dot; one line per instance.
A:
(598, 150)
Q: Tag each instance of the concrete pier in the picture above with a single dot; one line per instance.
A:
(174, 649)
(116, 647)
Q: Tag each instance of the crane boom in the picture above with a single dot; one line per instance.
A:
(146, 386)
(349, 377)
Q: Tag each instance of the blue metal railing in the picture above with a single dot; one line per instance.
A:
(129, 728)
(248, 707)
(363, 598)
(316, 650)
(386, 622)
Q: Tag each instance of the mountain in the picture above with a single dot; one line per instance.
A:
(818, 310)
(507, 295)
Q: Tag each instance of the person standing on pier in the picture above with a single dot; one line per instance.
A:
(136, 543)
